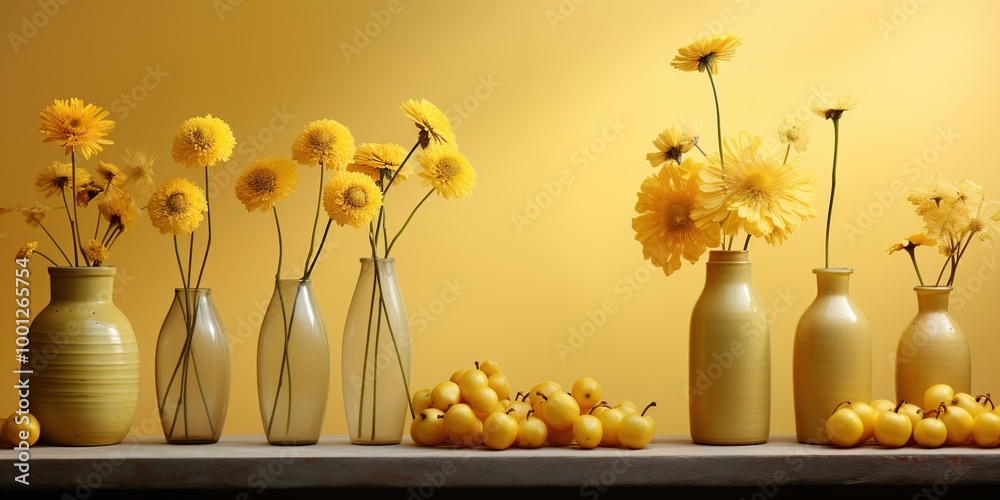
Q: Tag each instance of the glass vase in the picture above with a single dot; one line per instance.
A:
(293, 365)
(192, 369)
(376, 357)
(729, 364)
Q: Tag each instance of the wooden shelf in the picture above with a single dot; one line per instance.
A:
(248, 463)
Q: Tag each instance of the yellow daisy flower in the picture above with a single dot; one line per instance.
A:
(324, 141)
(203, 141)
(75, 125)
(119, 211)
(138, 169)
(96, 252)
(35, 216)
(176, 206)
(375, 159)
(832, 109)
(265, 181)
(27, 250)
(758, 194)
(447, 171)
(913, 241)
(671, 144)
(58, 176)
(432, 122)
(794, 131)
(946, 207)
(351, 199)
(665, 225)
(110, 175)
(706, 52)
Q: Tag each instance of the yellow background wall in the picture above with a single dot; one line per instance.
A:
(555, 102)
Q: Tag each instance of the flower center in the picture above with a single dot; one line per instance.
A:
(264, 182)
(202, 140)
(355, 197)
(448, 169)
(177, 203)
(320, 140)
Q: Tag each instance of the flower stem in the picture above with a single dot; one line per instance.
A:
(913, 258)
(208, 245)
(746, 243)
(319, 250)
(74, 225)
(787, 151)
(56, 242)
(833, 185)
(386, 187)
(364, 365)
(718, 120)
(401, 229)
(319, 203)
(46, 257)
(395, 345)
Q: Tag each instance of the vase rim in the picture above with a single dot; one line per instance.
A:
(294, 280)
(193, 289)
(82, 270)
(833, 270)
(381, 259)
(933, 287)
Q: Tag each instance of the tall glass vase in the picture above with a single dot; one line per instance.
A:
(376, 357)
(293, 366)
(932, 349)
(729, 364)
(832, 356)
(192, 369)
(85, 361)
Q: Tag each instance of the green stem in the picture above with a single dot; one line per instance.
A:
(833, 185)
(746, 243)
(787, 151)
(401, 229)
(319, 251)
(319, 204)
(392, 335)
(913, 258)
(718, 120)
(702, 150)
(961, 252)
(46, 257)
(69, 262)
(385, 188)
(364, 364)
(75, 226)
(208, 245)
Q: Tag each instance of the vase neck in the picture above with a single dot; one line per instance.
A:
(292, 286)
(91, 284)
(832, 281)
(727, 266)
(933, 298)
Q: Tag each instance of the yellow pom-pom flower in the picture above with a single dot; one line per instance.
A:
(447, 171)
(324, 141)
(176, 206)
(74, 125)
(203, 141)
(265, 181)
(352, 199)
(119, 211)
(433, 123)
(96, 252)
(377, 160)
(27, 250)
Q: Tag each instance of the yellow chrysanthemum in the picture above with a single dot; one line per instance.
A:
(377, 159)
(706, 52)
(58, 176)
(265, 181)
(671, 144)
(913, 241)
(35, 216)
(110, 175)
(75, 125)
(447, 171)
(119, 211)
(203, 141)
(794, 131)
(433, 123)
(758, 194)
(27, 250)
(351, 199)
(96, 252)
(176, 206)
(832, 109)
(324, 141)
(138, 169)
(946, 207)
(665, 226)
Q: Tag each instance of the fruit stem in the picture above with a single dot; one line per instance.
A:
(835, 408)
(509, 410)
(942, 408)
(987, 399)
(542, 395)
(526, 415)
(901, 403)
(651, 404)
(519, 394)
(477, 365)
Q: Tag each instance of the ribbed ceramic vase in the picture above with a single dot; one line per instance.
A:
(293, 366)
(192, 369)
(832, 356)
(729, 364)
(375, 368)
(85, 385)
(933, 348)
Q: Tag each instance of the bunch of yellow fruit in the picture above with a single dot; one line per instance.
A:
(946, 418)
(474, 407)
